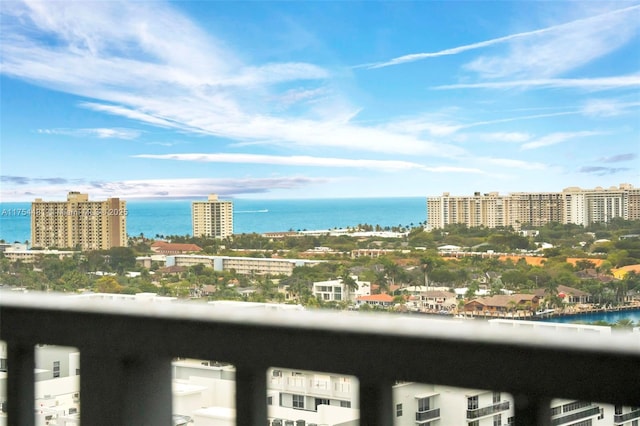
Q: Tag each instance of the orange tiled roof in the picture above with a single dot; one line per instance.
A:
(174, 247)
(376, 298)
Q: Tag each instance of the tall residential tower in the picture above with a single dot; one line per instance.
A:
(572, 205)
(212, 218)
(79, 223)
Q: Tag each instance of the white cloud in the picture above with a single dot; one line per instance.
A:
(563, 48)
(556, 138)
(307, 161)
(147, 62)
(514, 164)
(550, 50)
(510, 137)
(608, 107)
(295, 160)
(158, 188)
(101, 133)
(598, 83)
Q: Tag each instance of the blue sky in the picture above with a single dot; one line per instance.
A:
(260, 99)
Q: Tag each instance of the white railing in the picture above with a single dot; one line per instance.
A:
(126, 352)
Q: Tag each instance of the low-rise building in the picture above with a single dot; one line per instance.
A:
(384, 300)
(242, 265)
(338, 291)
(30, 256)
(503, 303)
(162, 247)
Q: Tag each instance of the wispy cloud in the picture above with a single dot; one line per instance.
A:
(442, 127)
(158, 188)
(594, 84)
(596, 32)
(513, 164)
(603, 171)
(101, 133)
(23, 180)
(295, 160)
(307, 161)
(620, 158)
(122, 54)
(556, 138)
(608, 107)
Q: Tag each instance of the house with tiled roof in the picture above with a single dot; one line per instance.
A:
(162, 247)
(438, 300)
(567, 294)
(383, 300)
(502, 303)
(620, 273)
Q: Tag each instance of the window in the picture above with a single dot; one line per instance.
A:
(496, 397)
(269, 400)
(423, 404)
(3, 364)
(474, 423)
(56, 369)
(345, 404)
(497, 420)
(618, 409)
(298, 401)
(472, 403)
(398, 410)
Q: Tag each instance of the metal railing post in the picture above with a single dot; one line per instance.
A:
(532, 411)
(376, 402)
(251, 396)
(20, 384)
(135, 391)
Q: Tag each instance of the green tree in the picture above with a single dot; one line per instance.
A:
(108, 284)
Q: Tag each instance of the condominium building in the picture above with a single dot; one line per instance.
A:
(79, 223)
(572, 205)
(212, 218)
(242, 265)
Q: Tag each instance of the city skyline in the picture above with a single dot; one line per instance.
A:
(317, 100)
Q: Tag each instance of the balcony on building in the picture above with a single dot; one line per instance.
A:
(489, 410)
(126, 353)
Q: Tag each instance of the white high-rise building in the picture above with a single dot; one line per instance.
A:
(572, 205)
(212, 218)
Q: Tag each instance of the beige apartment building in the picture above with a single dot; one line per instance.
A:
(212, 218)
(79, 223)
(572, 205)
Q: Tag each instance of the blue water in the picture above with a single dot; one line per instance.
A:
(610, 317)
(174, 217)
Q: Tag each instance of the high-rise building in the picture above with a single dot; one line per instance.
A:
(572, 205)
(212, 218)
(79, 223)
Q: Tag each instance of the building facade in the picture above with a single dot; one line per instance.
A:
(518, 209)
(241, 265)
(212, 218)
(79, 223)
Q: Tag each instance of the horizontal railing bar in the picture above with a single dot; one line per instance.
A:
(470, 355)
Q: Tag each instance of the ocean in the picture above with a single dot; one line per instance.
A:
(173, 217)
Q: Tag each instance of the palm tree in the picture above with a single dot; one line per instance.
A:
(624, 323)
(350, 284)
